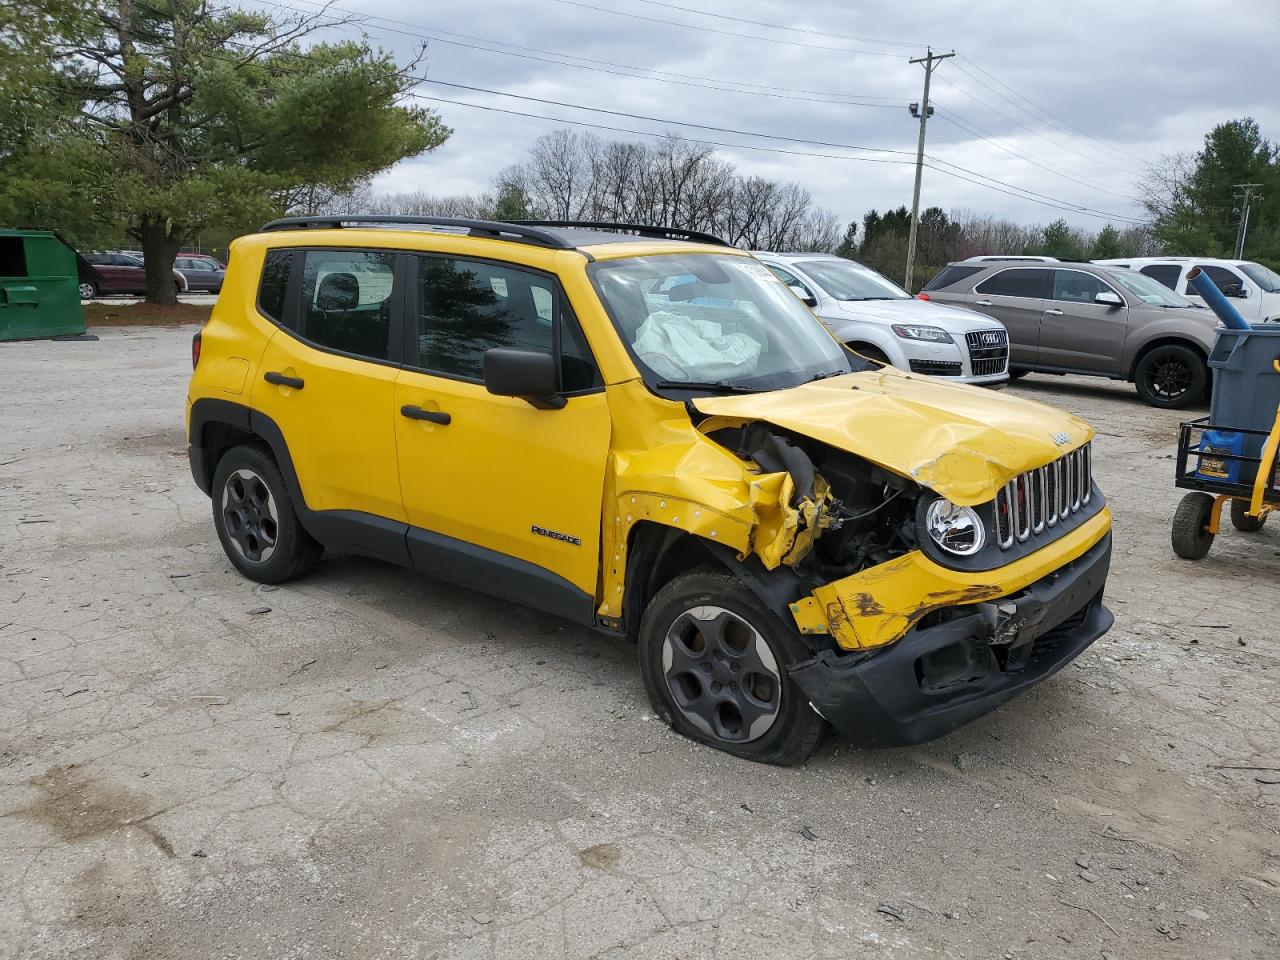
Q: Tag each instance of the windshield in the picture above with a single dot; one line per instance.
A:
(704, 319)
(1267, 279)
(1148, 290)
(846, 280)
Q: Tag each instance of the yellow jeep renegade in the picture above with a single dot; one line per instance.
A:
(643, 431)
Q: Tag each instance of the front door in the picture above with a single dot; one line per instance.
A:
(495, 488)
(1077, 332)
(327, 380)
(1015, 297)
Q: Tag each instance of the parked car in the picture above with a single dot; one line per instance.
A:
(875, 317)
(1093, 320)
(120, 273)
(640, 430)
(202, 273)
(1253, 288)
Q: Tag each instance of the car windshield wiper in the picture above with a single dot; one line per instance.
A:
(827, 375)
(719, 386)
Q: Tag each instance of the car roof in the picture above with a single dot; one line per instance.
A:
(1011, 258)
(584, 236)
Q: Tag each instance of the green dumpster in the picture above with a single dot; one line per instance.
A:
(39, 286)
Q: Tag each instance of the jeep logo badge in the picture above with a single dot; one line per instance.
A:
(1062, 439)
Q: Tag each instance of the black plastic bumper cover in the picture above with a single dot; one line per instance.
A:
(941, 677)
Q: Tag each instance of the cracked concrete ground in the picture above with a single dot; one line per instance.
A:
(373, 764)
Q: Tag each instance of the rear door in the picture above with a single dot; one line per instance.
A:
(1015, 297)
(327, 380)
(493, 486)
(1078, 332)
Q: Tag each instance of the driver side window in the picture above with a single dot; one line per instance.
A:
(1074, 286)
(789, 278)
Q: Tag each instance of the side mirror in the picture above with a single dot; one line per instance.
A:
(1109, 299)
(1237, 290)
(805, 296)
(527, 374)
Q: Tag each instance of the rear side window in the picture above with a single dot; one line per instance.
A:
(1017, 282)
(1165, 273)
(1076, 286)
(13, 257)
(346, 301)
(275, 281)
(466, 307)
(1223, 278)
(951, 275)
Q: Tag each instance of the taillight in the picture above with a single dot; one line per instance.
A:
(195, 351)
(922, 296)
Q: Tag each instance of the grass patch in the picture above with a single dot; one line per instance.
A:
(145, 314)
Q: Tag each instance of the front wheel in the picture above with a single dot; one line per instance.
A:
(88, 291)
(1171, 376)
(255, 519)
(1241, 520)
(1190, 534)
(714, 663)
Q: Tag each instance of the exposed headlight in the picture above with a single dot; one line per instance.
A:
(914, 331)
(957, 530)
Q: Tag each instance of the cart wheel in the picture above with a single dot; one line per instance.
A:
(1191, 536)
(1241, 520)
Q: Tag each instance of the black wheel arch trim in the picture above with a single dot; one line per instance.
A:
(456, 560)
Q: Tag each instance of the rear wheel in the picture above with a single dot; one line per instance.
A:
(1171, 376)
(88, 290)
(714, 663)
(1190, 535)
(255, 518)
(1241, 520)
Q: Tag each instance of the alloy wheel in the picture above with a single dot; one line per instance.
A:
(1169, 378)
(249, 513)
(721, 674)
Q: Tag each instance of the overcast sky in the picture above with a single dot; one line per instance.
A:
(1108, 87)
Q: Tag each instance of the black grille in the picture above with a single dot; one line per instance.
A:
(1032, 502)
(988, 351)
(937, 368)
(1046, 645)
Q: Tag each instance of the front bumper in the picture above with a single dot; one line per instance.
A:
(942, 676)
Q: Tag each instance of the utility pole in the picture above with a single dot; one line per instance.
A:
(1246, 193)
(922, 110)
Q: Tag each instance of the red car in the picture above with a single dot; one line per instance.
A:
(120, 273)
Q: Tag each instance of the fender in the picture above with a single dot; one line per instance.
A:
(1170, 330)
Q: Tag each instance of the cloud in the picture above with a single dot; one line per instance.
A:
(1067, 100)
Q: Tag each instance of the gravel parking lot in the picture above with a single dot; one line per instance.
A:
(373, 764)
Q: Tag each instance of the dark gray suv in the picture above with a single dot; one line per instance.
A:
(1082, 318)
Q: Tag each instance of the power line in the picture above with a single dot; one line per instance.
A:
(1028, 194)
(1070, 208)
(726, 33)
(602, 66)
(1033, 132)
(1053, 116)
(986, 135)
(780, 26)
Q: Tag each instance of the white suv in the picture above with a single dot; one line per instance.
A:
(878, 319)
(1253, 288)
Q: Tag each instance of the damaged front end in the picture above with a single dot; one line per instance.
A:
(910, 642)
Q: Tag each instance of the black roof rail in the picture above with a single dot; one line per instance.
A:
(639, 229)
(514, 231)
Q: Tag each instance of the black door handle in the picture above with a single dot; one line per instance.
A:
(417, 413)
(280, 380)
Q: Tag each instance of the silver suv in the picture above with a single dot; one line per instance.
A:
(1087, 319)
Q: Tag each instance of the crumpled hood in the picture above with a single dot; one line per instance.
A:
(962, 442)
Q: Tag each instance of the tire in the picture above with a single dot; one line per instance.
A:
(1190, 535)
(1016, 374)
(1241, 520)
(177, 288)
(1171, 376)
(255, 519)
(709, 623)
(88, 290)
(872, 353)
